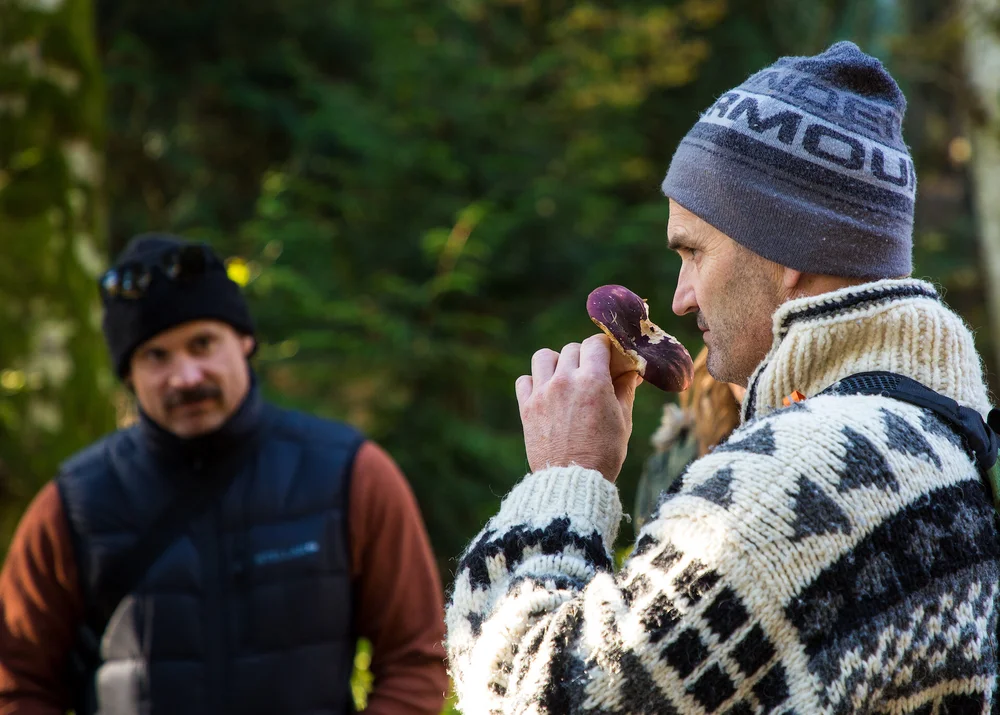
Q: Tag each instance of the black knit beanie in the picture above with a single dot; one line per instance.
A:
(166, 303)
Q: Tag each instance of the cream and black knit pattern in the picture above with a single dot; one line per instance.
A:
(836, 556)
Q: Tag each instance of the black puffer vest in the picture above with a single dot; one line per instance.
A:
(249, 610)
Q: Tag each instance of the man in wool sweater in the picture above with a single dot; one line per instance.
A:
(838, 555)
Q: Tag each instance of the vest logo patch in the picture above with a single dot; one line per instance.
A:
(277, 556)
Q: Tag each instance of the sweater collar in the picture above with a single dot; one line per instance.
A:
(899, 326)
(239, 432)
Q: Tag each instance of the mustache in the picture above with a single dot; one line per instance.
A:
(700, 319)
(192, 395)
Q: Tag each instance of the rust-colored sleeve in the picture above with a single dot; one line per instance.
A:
(40, 610)
(400, 606)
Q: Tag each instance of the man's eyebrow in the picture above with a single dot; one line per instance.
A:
(201, 335)
(678, 240)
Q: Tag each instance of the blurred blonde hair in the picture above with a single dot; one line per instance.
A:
(708, 408)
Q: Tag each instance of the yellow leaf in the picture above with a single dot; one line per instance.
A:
(12, 380)
(238, 271)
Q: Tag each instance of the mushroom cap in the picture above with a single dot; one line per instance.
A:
(658, 356)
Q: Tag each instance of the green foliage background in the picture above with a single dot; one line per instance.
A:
(426, 192)
(422, 194)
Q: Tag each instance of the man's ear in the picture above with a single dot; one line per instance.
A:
(792, 279)
(249, 345)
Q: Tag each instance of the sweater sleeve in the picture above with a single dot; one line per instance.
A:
(539, 622)
(400, 606)
(40, 609)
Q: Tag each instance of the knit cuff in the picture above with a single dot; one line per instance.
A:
(584, 495)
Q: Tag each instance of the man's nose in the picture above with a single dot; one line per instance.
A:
(186, 373)
(684, 296)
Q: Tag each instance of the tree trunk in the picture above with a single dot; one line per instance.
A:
(982, 59)
(55, 384)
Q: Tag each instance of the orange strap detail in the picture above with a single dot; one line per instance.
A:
(796, 396)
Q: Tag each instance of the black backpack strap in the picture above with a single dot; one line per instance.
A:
(980, 437)
(126, 572)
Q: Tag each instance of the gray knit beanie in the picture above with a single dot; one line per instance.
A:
(804, 164)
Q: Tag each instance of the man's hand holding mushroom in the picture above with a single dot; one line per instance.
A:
(575, 410)
(576, 406)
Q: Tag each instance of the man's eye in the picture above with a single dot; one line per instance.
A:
(202, 344)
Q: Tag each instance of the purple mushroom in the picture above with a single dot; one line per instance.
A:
(658, 357)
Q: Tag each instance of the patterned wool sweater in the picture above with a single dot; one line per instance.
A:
(836, 556)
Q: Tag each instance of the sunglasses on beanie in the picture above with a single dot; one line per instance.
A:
(131, 280)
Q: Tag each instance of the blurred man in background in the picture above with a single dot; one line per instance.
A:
(223, 555)
(838, 553)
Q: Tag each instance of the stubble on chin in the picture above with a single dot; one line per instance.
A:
(718, 363)
(734, 359)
